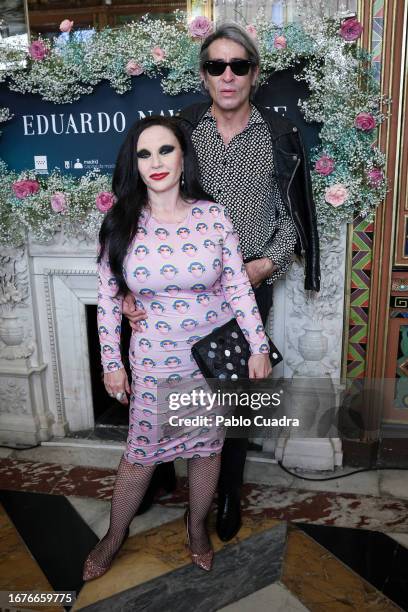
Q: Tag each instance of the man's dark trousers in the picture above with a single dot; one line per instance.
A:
(235, 449)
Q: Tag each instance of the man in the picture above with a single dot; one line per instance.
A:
(253, 162)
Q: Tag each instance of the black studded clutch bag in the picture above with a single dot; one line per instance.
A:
(225, 352)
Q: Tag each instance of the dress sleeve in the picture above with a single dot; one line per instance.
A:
(109, 318)
(238, 291)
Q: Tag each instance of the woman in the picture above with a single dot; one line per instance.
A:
(143, 249)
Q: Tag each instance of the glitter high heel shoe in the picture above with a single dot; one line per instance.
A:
(203, 560)
(92, 570)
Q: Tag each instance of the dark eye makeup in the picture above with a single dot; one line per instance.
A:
(164, 149)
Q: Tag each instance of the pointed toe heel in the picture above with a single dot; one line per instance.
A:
(92, 570)
(202, 560)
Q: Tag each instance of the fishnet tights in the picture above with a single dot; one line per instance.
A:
(203, 474)
(130, 487)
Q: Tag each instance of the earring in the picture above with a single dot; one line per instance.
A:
(182, 180)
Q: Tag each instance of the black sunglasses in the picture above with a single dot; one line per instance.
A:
(238, 67)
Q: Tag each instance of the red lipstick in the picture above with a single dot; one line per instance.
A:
(159, 176)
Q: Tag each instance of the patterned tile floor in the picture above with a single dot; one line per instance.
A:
(297, 549)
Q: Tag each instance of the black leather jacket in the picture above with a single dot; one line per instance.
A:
(293, 175)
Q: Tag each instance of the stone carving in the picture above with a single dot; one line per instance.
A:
(13, 398)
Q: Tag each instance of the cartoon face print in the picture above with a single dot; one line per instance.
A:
(210, 245)
(140, 233)
(112, 283)
(165, 251)
(162, 327)
(173, 380)
(230, 289)
(215, 443)
(141, 251)
(235, 301)
(148, 398)
(150, 381)
(225, 307)
(228, 272)
(142, 440)
(101, 311)
(161, 233)
(226, 253)
(198, 287)
(172, 289)
(144, 345)
(145, 426)
(264, 348)
(168, 345)
(138, 303)
(107, 350)
(159, 452)
(211, 316)
(164, 439)
(196, 375)
(146, 292)
(179, 448)
(118, 330)
(147, 412)
(181, 306)
(214, 210)
(112, 366)
(196, 269)
(260, 331)
(141, 274)
(245, 332)
(143, 325)
(188, 324)
(148, 363)
(103, 332)
(193, 339)
(203, 299)
(199, 445)
(197, 212)
(183, 233)
(202, 228)
(116, 311)
(239, 315)
(219, 227)
(189, 249)
(157, 308)
(217, 265)
(168, 271)
(255, 312)
(139, 452)
(172, 362)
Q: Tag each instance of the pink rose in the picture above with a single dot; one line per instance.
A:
(38, 50)
(365, 121)
(24, 188)
(336, 194)
(66, 25)
(324, 165)
(133, 68)
(58, 202)
(280, 42)
(200, 27)
(375, 177)
(252, 31)
(104, 201)
(351, 29)
(158, 54)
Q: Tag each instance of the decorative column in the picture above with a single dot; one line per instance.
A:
(24, 414)
(309, 329)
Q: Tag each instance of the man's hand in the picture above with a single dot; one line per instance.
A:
(259, 366)
(259, 269)
(132, 313)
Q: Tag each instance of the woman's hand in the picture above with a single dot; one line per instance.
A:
(117, 382)
(259, 366)
(133, 313)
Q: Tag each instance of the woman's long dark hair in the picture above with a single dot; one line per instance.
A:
(120, 223)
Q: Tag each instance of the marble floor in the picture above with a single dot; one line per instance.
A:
(322, 546)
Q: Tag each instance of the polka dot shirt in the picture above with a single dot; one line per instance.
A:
(241, 176)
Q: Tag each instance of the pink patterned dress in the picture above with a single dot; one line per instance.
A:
(190, 278)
